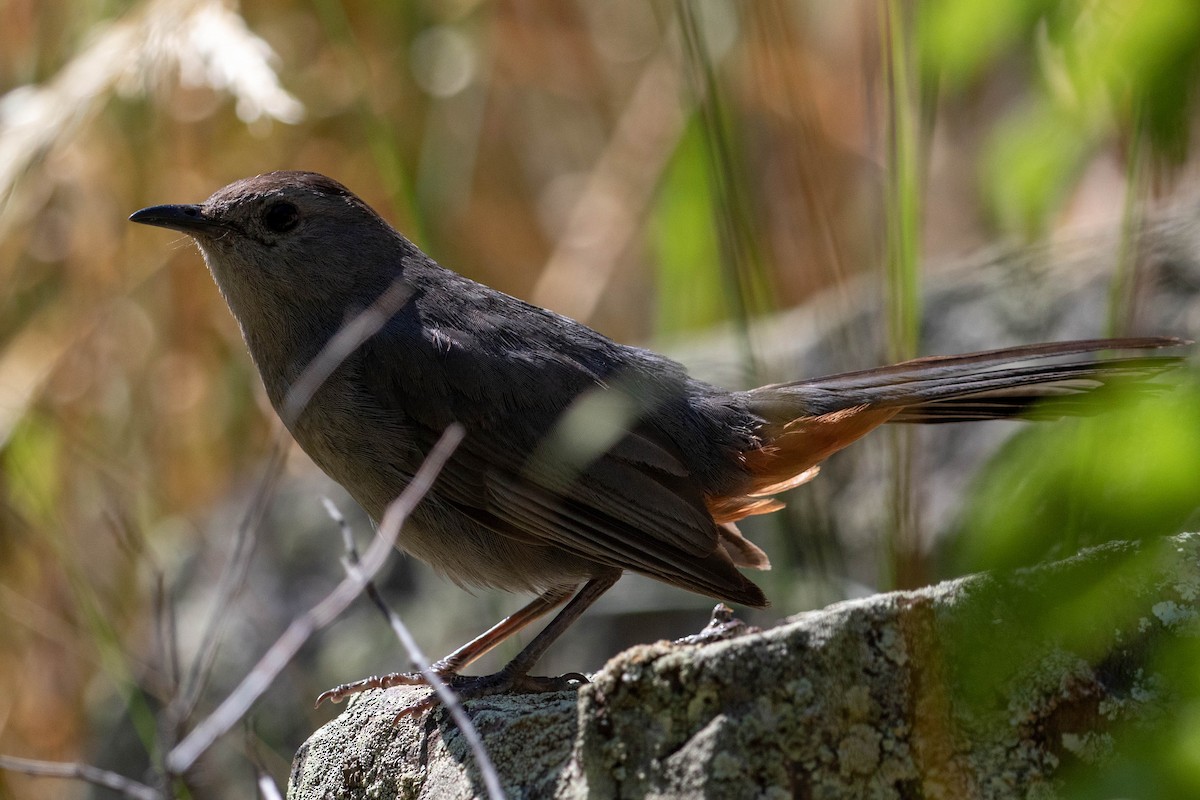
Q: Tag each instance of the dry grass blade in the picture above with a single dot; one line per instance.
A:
(235, 706)
(81, 772)
(204, 41)
(619, 190)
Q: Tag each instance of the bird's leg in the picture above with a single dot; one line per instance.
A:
(449, 666)
(514, 676)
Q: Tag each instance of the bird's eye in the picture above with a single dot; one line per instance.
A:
(281, 217)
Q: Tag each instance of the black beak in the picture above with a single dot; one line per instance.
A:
(187, 219)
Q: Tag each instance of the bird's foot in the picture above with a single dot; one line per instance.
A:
(465, 687)
(721, 626)
(470, 687)
(339, 693)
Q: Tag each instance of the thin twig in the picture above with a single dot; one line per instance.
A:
(169, 635)
(267, 789)
(80, 772)
(491, 778)
(336, 350)
(260, 678)
(233, 578)
(347, 339)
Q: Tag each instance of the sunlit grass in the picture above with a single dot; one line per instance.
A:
(724, 160)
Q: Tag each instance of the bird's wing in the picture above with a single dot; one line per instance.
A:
(629, 502)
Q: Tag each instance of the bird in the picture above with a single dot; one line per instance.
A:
(668, 466)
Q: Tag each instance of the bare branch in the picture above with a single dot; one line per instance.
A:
(235, 706)
(491, 778)
(80, 772)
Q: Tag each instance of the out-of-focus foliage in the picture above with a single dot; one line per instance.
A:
(1151, 761)
(1097, 70)
(683, 238)
(1128, 472)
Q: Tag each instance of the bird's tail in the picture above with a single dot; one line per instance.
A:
(807, 421)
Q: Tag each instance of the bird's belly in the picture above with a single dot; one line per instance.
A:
(473, 555)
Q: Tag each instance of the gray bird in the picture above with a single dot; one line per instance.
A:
(670, 463)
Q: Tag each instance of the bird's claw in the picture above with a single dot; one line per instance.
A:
(721, 626)
(339, 693)
(465, 687)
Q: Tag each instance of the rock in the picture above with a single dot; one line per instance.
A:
(984, 687)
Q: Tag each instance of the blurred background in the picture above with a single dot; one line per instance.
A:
(764, 190)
